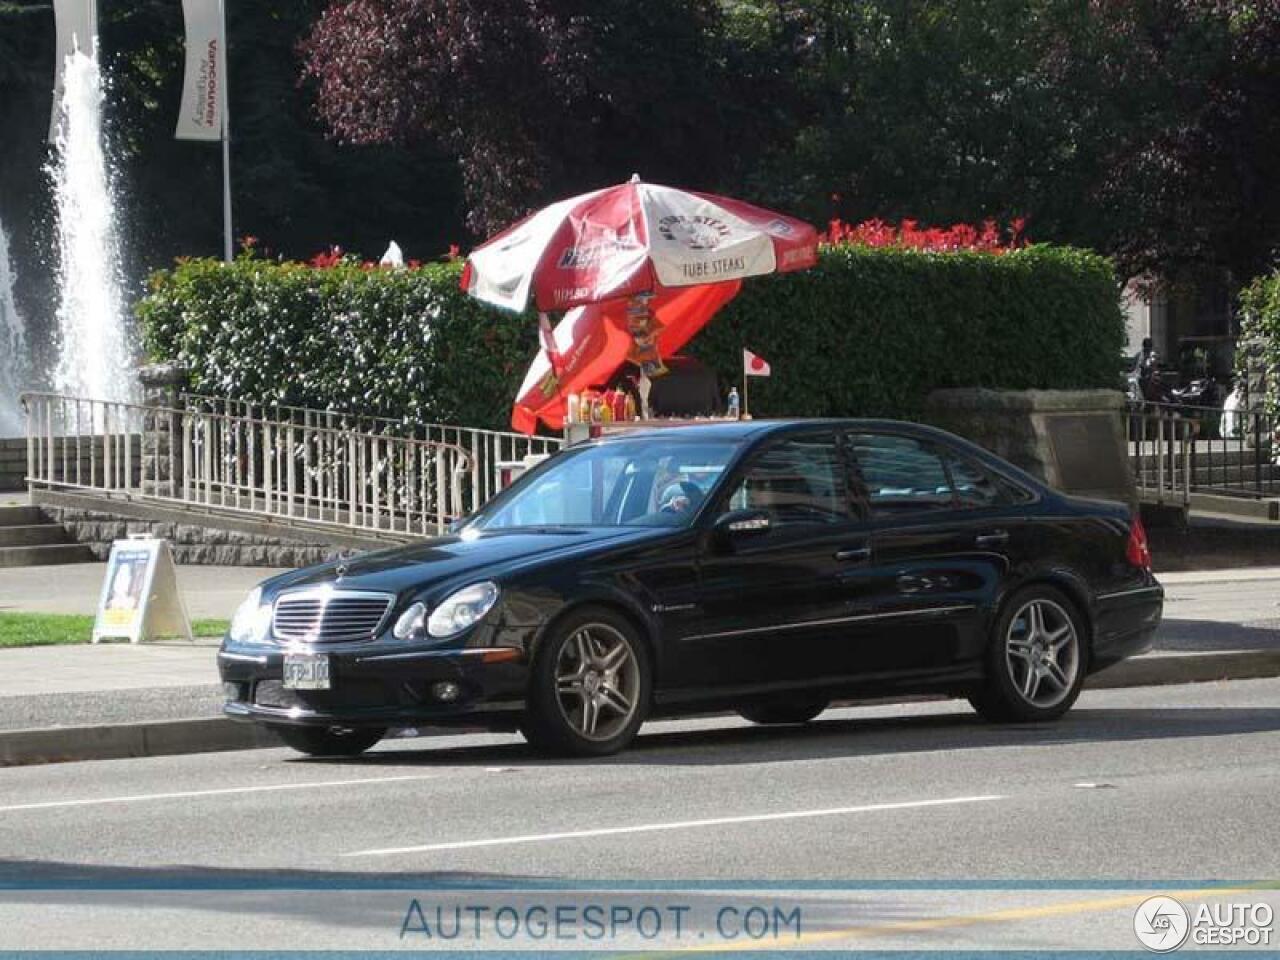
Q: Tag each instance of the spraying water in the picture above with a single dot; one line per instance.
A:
(94, 335)
(14, 369)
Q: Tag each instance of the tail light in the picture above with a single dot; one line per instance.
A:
(1137, 551)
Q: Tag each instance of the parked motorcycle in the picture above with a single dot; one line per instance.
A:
(1204, 392)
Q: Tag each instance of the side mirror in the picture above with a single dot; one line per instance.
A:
(738, 524)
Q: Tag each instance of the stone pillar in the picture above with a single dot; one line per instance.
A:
(163, 387)
(1074, 440)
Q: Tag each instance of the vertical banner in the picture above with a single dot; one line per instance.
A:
(202, 116)
(76, 28)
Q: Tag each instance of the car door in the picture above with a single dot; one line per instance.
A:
(938, 553)
(772, 602)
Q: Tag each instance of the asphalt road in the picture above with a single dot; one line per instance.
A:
(1187, 784)
(1173, 784)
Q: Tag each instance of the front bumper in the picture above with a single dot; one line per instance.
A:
(378, 685)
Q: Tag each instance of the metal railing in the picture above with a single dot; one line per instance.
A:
(83, 443)
(489, 450)
(1177, 449)
(299, 468)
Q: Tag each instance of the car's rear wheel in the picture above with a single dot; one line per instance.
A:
(1036, 661)
(589, 686)
(783, 711)
(330, 741)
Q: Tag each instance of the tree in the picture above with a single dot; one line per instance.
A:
(1143, 129)
(1195, 185)
(537, 98)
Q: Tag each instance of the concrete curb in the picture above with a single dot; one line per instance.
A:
(120, 740)
(210, 734)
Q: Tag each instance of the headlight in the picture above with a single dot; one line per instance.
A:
(252, 620)
(461, 609)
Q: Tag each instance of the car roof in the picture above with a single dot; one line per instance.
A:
(744, 429)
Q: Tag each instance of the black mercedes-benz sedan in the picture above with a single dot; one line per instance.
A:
(767, 567)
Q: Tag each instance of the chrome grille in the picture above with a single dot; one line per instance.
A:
(329, 616)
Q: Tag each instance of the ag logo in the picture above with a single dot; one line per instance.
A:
(696, 233)
(1161, 924)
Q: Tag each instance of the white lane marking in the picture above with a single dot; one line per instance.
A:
(220, 792)
(673, 825)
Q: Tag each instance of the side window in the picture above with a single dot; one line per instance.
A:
(978, 487)
(796, 481)
(900, 474)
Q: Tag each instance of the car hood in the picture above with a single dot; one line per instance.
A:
(440, 559)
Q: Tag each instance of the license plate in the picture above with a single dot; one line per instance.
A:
(306, 671)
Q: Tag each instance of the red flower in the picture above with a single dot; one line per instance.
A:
(909, 234)
(324, 261)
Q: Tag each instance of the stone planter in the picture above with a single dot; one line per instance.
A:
(1074, 440)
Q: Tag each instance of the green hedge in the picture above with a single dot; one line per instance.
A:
(872, 331)
(398, 343)
(867, 332)
(1260, 320)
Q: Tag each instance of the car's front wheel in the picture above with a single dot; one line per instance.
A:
(1036, 660)
(330, 741)
(589, 686)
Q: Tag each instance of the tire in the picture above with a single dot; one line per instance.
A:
(772, 712)
(330, 741)
(589, 686)
(1036, 660)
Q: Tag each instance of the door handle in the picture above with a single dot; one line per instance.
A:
(854, 553)
(994, 539)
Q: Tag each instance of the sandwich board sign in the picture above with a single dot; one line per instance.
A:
(140, 599)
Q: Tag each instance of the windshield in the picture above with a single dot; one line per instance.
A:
(650, 481)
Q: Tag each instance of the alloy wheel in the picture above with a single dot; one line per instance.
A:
(597, 681)
(1042, 651)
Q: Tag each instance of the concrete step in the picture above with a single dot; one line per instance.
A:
(21, 516)
(37, 535)
(45, 555)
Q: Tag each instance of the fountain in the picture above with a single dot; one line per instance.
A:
(14, 363)
(94, 335)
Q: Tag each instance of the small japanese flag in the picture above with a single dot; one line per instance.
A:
(754, 366)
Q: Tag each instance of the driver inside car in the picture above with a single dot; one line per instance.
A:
(680, 496)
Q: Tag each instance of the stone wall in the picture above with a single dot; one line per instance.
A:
(1074, 440)
(202, 538)
(13, 463)
(192, 543)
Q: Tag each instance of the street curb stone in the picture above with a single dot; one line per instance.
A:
(210, 734)
(121, 740)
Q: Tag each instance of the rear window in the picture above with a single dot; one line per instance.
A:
(977, 487)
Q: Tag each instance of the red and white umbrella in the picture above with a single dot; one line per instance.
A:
(633, 238)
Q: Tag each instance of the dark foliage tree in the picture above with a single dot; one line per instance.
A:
(538, 98)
